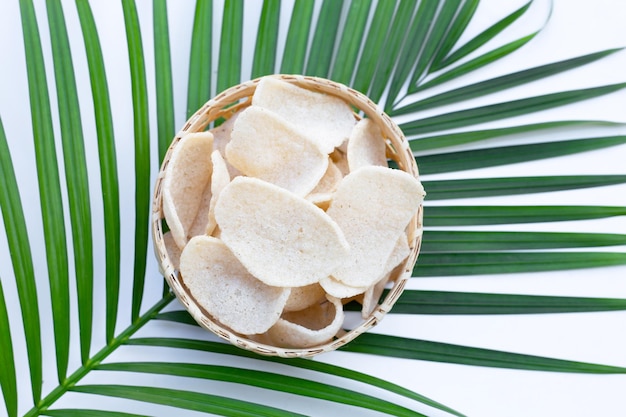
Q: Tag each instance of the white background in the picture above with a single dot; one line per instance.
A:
(576, 27)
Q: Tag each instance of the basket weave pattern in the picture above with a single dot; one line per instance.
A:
(223, 106)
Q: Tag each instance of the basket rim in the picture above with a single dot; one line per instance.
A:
(224, 105)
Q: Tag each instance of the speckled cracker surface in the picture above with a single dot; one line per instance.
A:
(366, 146)
(329, 119)
(186, 178)
(220, 178)
(309, 327)
(263, 146)
(226, 290)
(282, 239)
(373, 206)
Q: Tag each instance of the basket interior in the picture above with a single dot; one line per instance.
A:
(224, 106)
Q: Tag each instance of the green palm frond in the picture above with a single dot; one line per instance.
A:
(86, 328)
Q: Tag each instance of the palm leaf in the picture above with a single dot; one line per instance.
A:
(222, 348)
(504, 155)
(469, 117)
(267, 380)
(374, 42)
(378, 344)
(294, 53)
(200, 73)
(163, 77)
(266, 39)
(229, 69)
(484, 215)
(49, 189)
(482, 38)
(480, 263)
(463, 240)
(348, 49)
(485, 187)
(74, 412)
(447, 302)
(23, 270)
(503, 82)
(8, 381)
(391, 50)
(186, 400)
(423, 144)
(75, 172)
(107, 159)
(323, 43)
(142, 150)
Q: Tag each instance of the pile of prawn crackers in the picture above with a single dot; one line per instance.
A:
(284, 213)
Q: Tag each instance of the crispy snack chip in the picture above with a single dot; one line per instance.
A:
(264, 146)
(303, 297)
(220, 178)
(282, 239)
(186, 179)
(173, 251)
(221, 137)
(200, 223)
(329, 119)
(286, 212)
(338, 289)
(373, 206)
(366, 146)
(226, 290)
(312, 326)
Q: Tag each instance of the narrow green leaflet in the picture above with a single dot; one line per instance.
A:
(418, 46)
(374, 43)
(75, 172)
(460, 138)
(482, 38)
(482, 215)
(107, 156)
(504, 82)
(378, 344)
(79, 412)
(492, 112)
(266, 39)
(440, 27)
(472, 65)
(142, 152)
(98, 357)
(323, 45)
(8, 381)
(458, 26)
(445, 302)
(178, 316)
(470, 241)
(294, 52)
(487, 187)
(163, 82)
(228, 349)
(389, 54)
(163, 77)
(199, 81)
(22, 262)
(504, 155)
(484, 59)
(49, 188)
(188, 400)
(480, 263)
(267, 380)
(231, 41)
(350, 43)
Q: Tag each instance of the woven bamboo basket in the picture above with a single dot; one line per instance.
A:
(224, 106)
